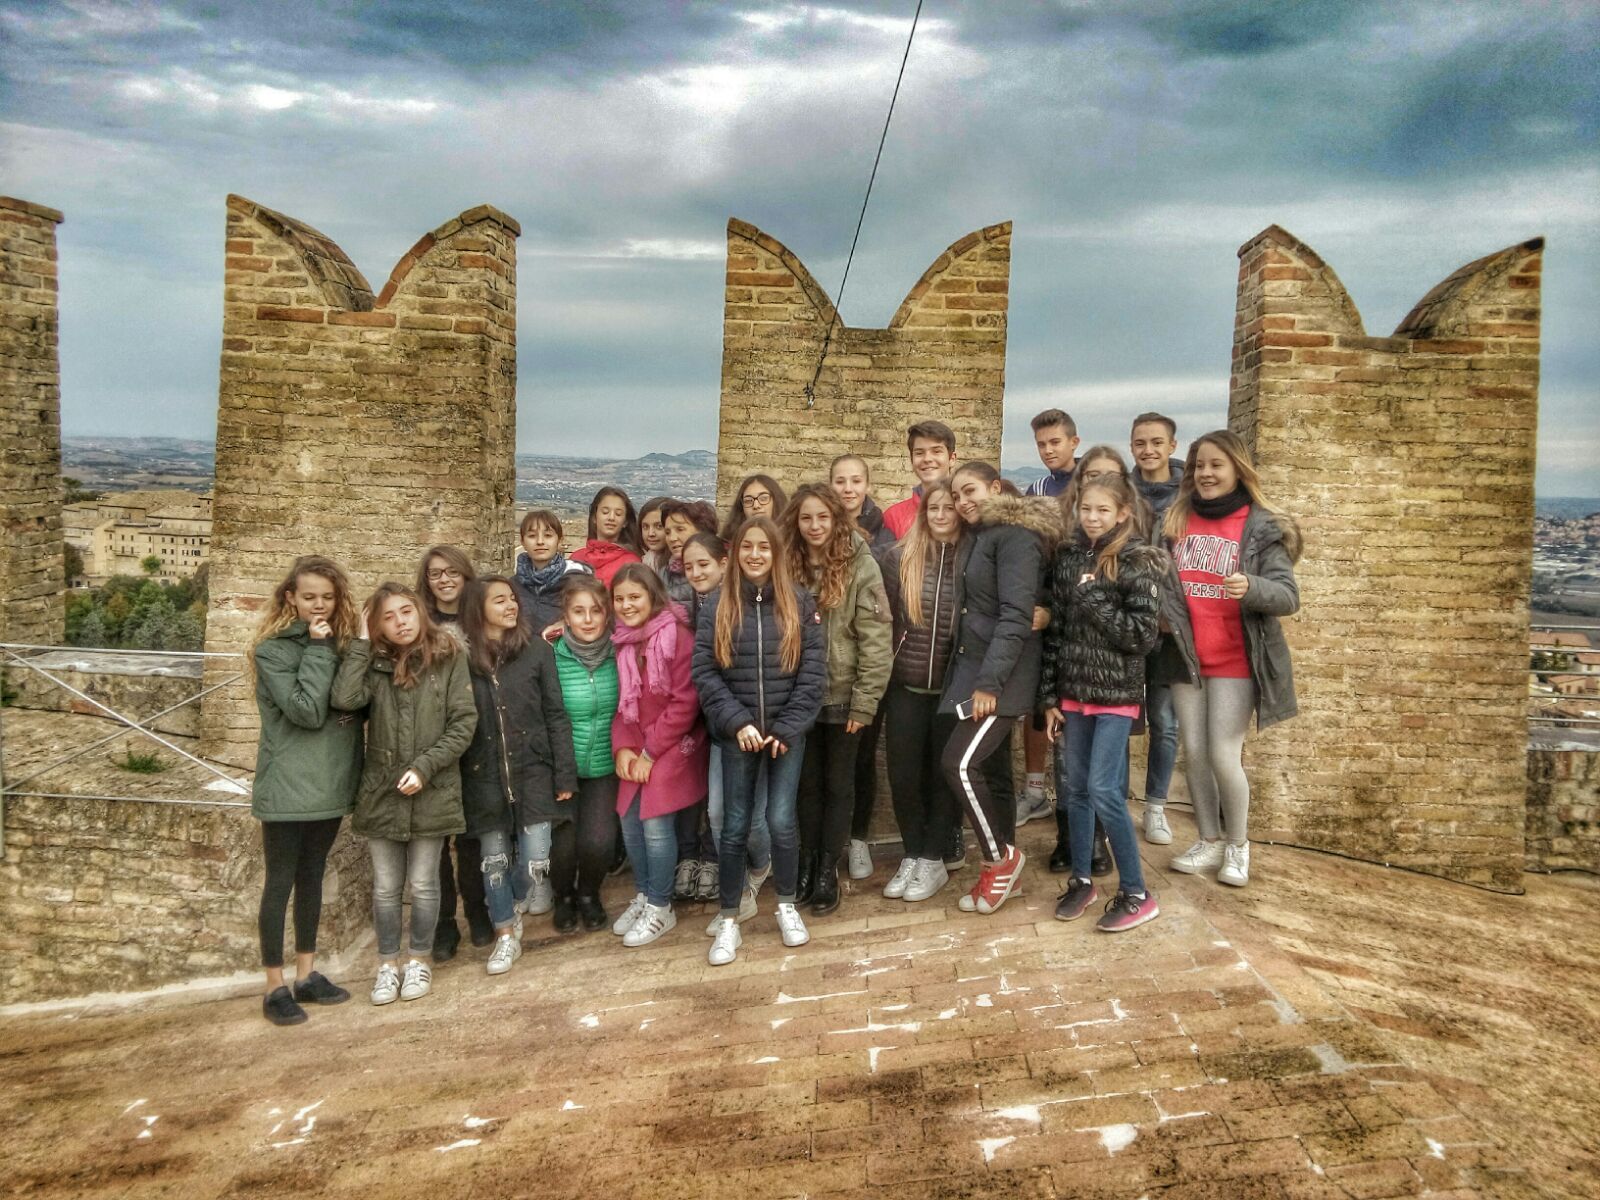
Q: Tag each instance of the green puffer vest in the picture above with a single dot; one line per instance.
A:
(591, 701)
(309, 761)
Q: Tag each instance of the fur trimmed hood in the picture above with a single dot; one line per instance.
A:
(1039, 515)
(1286, 529)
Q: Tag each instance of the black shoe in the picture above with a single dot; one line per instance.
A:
(619, 858)
(592, 913)
(482, 929)
(806, 882)
(565, 915)
(315, 989)
(446, 937)
(1101, 864)
(956, 854)
(825, 893)
(1061, 856)
(279, 1007)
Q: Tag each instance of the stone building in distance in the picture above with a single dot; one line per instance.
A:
(116, 533)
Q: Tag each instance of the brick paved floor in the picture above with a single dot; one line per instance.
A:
(909, 1050)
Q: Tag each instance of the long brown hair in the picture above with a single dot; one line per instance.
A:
(433, 645)
(1143, 517)
(650, 581)
(628, 536)
(730, 608)
(914, 549)
(280, 612)
(456, 559)
(736, 516)
(484, 652)
(1120, 489)
(830, 581)
(1176, 523)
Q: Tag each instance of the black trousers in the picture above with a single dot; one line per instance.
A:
(473, 903)
(866, 778)
(694, 833)
(827, 796)
(582, 844)
(925, 809)
(296, 853)
(992, 811)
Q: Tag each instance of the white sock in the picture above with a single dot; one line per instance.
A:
(1035, 783)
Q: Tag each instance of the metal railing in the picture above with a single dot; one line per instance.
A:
(51, 662)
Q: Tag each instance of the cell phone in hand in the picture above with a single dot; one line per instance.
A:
(964, 710)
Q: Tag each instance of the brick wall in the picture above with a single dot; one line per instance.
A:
(357, 425)
(32, 579)
(1409, 462)
(1563, 818)
(943, 356)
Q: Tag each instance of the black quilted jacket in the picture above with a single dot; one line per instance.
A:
(1100, 631)
(922, 652)
(753, 689)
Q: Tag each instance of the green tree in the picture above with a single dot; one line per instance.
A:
(73, 562)
(90, 631)
(73, 491)
(150, 564)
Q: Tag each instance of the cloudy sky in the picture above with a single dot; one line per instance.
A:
(1135, 143)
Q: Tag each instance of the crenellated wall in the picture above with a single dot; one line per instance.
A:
(1408, 461)
(356, 425)
(943, 356)
(32, 569)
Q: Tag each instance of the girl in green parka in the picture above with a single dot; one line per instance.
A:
(307, 766)
(414, 682)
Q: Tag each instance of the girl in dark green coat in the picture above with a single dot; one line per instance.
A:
(413, 681)
(307, 766)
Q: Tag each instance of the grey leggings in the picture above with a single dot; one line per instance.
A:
(1213, 719)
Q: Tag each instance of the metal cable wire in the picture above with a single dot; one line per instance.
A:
(838, 298)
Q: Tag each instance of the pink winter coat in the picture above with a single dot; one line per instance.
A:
(669, 729)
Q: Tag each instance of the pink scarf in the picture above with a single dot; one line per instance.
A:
(660, 637)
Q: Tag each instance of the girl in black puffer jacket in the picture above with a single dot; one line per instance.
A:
(1105, 603)
(761, 669)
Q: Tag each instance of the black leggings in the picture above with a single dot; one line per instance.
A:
(866, 778)
(827, 796)
(924, 807)
(993, 812)
(693, 831)
(473, 903)
(296, 854)
(583, 842)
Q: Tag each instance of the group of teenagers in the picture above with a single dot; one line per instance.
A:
(701, 698)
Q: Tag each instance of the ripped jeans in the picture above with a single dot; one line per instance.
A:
(505, 882)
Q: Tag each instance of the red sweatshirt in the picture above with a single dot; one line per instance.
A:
(1208, 554)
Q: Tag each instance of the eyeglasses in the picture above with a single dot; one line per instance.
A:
(1088, 475)
(437, 573)
(757, 500)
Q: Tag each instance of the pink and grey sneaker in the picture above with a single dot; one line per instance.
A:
(1076, 899)
(1126, 911)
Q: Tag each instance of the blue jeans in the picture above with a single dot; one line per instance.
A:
(759, 843)
(393, 865)
(504, 886)
(1162, 720)
(741, 773)
(652, 844)
(1093, 782)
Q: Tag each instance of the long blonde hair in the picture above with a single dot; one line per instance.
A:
(730, 608)
(281, 613)
(832, 579)
(1122, 495)
(1176, 523)
(914, 548)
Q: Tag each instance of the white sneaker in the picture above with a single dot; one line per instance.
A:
(1156, 830)
(860, 859)
(652, 923)
(541, 897)
(418, 981)
(929, 879)
(630, 914)
(754, 878)
(507, 949)
(387, 989)
(1200, 857)
(747, 909)
(726, 946)
(1235, 869)
(791, 926)
(895, 889)
(1032, 805)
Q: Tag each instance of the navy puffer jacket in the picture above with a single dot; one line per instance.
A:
(754, 689)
